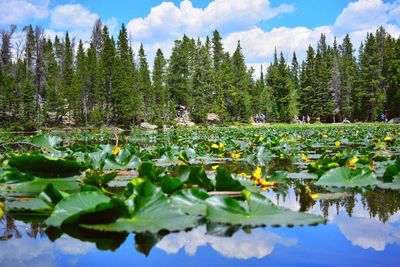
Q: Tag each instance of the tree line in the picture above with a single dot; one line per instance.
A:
(60, 81)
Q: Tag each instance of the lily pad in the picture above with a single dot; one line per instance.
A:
(153, 211)
(45, 167)
(75, 205)
(257, 210)
(344, 177)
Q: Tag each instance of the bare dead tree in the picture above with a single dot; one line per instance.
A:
(97, 36)
(6, 45)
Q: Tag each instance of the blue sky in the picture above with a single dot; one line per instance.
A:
(260, 25)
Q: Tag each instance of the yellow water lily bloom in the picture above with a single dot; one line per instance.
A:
(257, 173)
(236, 155)
(324, 136)
(337, 144)
(243, 174)
(116, 150)
(261, 139)
(181, 163)
(314, 196)
(221, 146)
(214, 167)
(1, 209)
(388, 139)
(353, 161)
(304, 158)
(215, 146)
(180, 138)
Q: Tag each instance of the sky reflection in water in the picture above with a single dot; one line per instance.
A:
(370, 237)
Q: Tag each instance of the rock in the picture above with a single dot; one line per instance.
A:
(395, 120)
(148, 126)
(212, 117)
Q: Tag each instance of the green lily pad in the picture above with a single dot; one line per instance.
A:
(153, 211)
(344, 177)
(74, 205)
(225, 182)
(257, 210)
(48, 142)
(44, 167)
(191, 201)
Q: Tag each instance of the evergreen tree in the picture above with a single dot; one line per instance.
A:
(162, 108)
(145, 87)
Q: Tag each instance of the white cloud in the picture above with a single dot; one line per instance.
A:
(71, 17)
(366, 14)
(259, 45)
(21, 11)
(170, 21)
(258, 244)
(368, 232)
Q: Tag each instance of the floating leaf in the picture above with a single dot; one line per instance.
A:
(153, 212)
(48, 142)
(257, 210)
(191, 201)
(75, 205)
(344, 177)
(42, 166)
(225, 182)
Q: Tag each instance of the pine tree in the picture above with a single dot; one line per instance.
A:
(240, 109)
(347, 66)
(145, 87)
(162, 109)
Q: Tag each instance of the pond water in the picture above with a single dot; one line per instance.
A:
(361, 230)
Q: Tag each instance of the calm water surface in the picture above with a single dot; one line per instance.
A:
(362, 230)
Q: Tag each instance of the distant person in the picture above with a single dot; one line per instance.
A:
(382, 117)
(386, 116)
(308, 119)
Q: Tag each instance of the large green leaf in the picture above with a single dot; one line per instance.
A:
(191, 201)
(199, 177)
(75, 205)
(395, 184)
(42, 166)
(256, 210)
(153, 211)
(48, 142)
(122, 161)
(36, 186)
(344, 177)
(225, 182)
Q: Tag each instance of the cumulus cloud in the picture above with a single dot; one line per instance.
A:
(368, 233)
(366, 14)
(258, 244)
(259, 45)
(21, 11)
(170, 21)
(70, 17)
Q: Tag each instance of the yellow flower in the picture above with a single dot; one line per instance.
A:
(1, 209)
(353, 161)
(214, 167)
(116, 150)
(314, 196)
(337, 144)
(304, 158)
(324, 136)
(215, 146)
(236, 155)
(181, 163)
(180, 138)
(261, 139)
(388, 139)
(221, 146)
(243, 174)
(257, 173)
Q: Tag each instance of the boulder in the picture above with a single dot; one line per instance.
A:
(148, 126)
(395, 120)
(212, 117)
